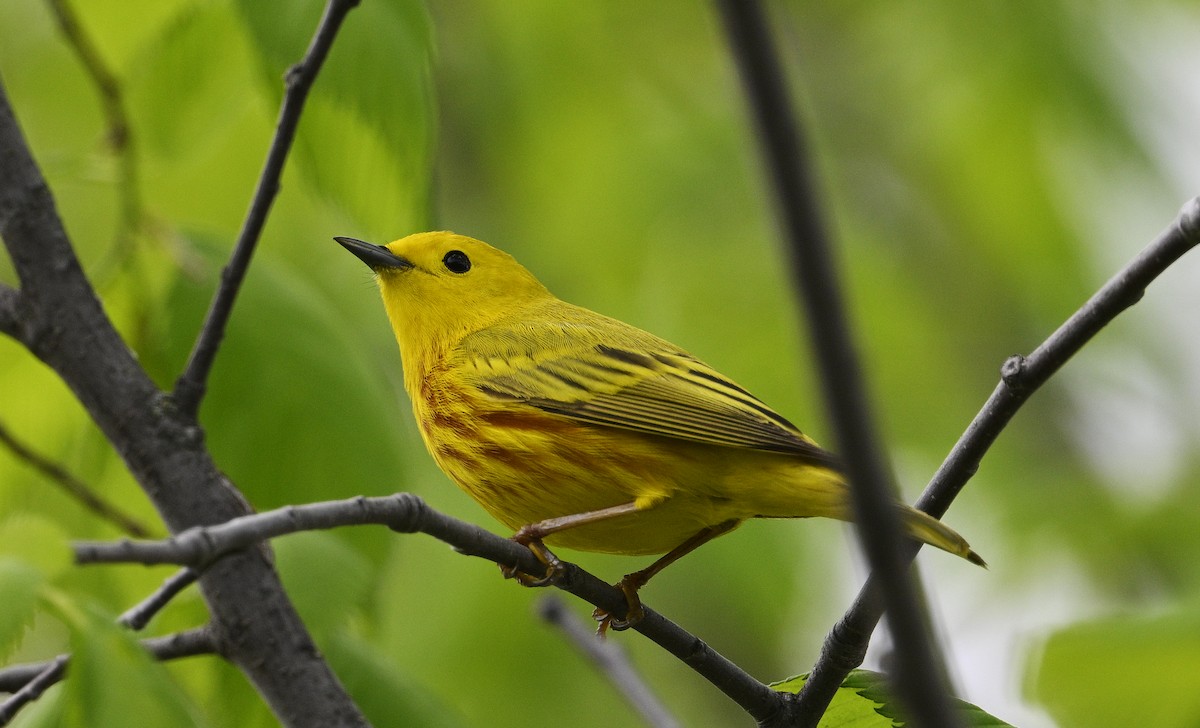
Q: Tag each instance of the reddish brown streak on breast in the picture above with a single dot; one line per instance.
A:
(449, 452)
(434, 418)
(513, 458)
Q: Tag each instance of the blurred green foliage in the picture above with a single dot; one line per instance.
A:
(1123, 670)
(985, 165)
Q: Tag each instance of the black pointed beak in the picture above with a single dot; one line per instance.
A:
(375, 256)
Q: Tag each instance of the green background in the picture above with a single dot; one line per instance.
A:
(985, 167)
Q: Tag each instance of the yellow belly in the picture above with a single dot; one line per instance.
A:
(524, 465)
(542, 466)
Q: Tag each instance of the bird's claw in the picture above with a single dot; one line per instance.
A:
(634, 611)
(555, 569)
(606, 622)
(554, 574)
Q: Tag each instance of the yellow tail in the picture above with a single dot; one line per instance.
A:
(930, 530)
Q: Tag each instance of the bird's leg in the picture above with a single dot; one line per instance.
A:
(532, 534)
(631, 583)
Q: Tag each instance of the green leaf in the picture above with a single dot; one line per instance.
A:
(1123, 671)
(326, 579)
(35, 551)
(863, 701)
(41, 543)
(20, 583)
(118, 39)
(373, 96)
(188, 86)
(113, 681)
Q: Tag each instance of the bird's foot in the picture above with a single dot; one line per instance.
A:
(634, 612)
(555, 569)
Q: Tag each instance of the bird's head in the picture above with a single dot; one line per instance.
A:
(438, 287)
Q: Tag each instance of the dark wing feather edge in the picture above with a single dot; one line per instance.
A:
(669, 394)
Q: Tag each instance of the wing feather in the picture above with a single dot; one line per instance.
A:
(578, 368)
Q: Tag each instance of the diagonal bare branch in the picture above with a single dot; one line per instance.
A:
(192, 384)
(920, 674)
(140, 614)
(846, 644)
(74, 487)
(33, 689)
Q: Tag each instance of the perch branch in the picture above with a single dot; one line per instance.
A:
(41, 681)
(202, 547)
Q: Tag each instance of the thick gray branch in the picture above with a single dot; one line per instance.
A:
(9, 298)
(62, 322)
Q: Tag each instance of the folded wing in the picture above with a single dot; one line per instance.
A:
(631, 380)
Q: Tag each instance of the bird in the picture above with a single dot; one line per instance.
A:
(578, 430)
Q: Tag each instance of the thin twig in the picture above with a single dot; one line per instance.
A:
(407, 513)
(920, 675)
(33, 689)
(74, 487)
(191, 385)
(134, 619)
(610, 660)
(139, 615)
(119, 134)
(846, 644)
(105, 80)
(28, 682)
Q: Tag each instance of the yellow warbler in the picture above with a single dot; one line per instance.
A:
(584, 431)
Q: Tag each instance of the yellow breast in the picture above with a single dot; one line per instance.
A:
(524, 465)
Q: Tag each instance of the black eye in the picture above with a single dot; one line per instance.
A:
(456, 261)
